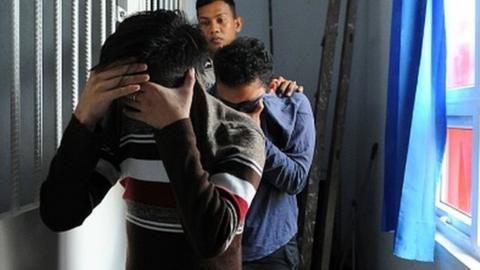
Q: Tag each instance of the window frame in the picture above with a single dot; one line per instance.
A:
(463, 111)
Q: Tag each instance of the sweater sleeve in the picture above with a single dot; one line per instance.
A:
(212, 206)
(73, 188)
(288, 168)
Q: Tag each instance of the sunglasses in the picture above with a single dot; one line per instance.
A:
(245, 106)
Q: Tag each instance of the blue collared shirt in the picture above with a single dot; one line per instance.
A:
(289, 128)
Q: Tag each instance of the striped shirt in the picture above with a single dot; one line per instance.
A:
(187, 187)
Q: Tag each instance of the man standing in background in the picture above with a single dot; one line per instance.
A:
(220, 23)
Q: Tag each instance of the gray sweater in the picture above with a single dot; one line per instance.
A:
(188, 186)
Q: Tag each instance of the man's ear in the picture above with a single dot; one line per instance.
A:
(238, 24)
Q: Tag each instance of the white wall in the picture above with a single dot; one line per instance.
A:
(100, 243)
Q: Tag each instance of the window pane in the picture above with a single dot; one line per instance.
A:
(460, 29)
(457, 183)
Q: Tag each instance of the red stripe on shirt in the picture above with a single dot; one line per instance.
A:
(237, 201)
(151, 193)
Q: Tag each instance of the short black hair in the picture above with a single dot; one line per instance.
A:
(243, 61)
(231, 3)
(162, 39)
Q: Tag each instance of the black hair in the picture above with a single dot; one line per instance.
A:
(243, 61)
(230, 3)
(163, 40)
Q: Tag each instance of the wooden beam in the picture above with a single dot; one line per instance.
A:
(308, 200)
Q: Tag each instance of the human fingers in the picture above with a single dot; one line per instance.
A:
(272, 86)
(189, 81)
(122, 91)
(190, 78)
(280, 79)
(275, 83)
(259, 108)
(291, 88)
(294, 88)
(255, 114)
(282, 88)
(152, 86)
(123, 81)
(121, 70)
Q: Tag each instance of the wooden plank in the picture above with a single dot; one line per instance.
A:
(337, 136)
(308, 200)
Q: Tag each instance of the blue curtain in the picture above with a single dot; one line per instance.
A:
(415, 126)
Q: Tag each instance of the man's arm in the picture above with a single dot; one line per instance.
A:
(288, 169)
(73, 188)
(212, 207)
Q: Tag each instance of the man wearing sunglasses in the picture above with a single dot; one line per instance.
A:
(243, 70)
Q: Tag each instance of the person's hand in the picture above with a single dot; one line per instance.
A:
(255, 115)
(159, 106)
(284, 87)
(105, 86)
